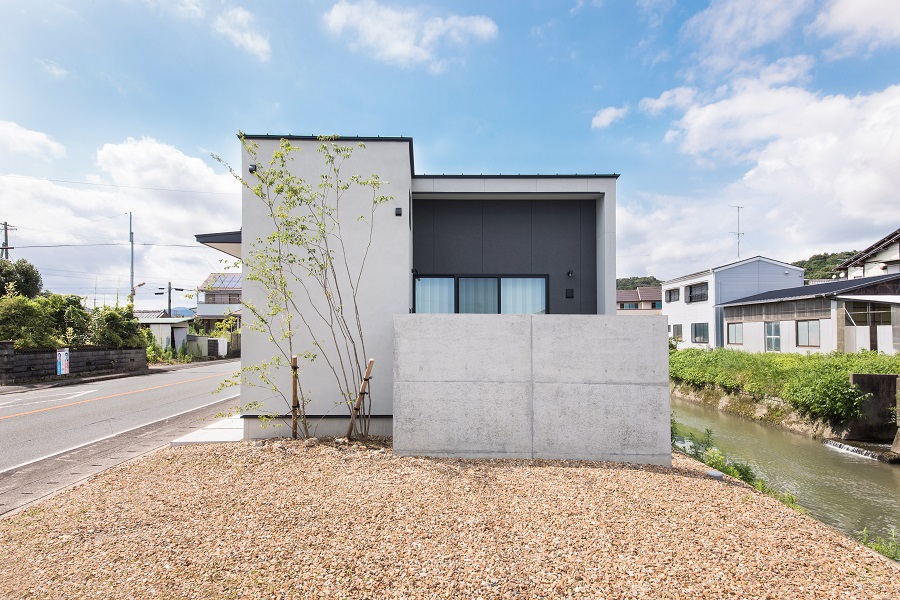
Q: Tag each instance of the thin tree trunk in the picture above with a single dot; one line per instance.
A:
(359, 399)
(295, 401)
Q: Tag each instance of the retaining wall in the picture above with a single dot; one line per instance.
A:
(590, 387)
(27, 365)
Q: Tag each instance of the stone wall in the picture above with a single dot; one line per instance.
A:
(592, 387)
(28, 365)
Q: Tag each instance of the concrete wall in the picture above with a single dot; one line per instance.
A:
(18, 366)
(591, 387)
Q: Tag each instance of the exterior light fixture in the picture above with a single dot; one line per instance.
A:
(398, 212)
(571, 273)
(253, 168)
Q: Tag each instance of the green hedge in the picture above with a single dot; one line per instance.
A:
(816, 384)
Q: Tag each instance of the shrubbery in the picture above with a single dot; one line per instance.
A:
(56, 320)
(815, 384)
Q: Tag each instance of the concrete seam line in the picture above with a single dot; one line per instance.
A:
(112, 435)
(531, 384)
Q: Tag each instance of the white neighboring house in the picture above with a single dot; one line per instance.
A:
(844, 315)
(692, 302)
(881, 258)
(221, 297)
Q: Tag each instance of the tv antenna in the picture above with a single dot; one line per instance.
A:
(738, 232)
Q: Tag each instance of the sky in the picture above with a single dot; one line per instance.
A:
(789, 109)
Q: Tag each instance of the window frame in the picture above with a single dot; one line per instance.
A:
(677, 334)
(807, 322)
(738, 328)
(695, 338)
(629, 305)
(673, 295)
(692, 295)
(499, 279)
(775, 337)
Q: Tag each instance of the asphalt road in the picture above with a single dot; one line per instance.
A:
(42, 423)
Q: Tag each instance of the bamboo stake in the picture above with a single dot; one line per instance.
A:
(359, 399)
(295, 401)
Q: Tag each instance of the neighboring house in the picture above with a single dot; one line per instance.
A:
(693, 302)
(640, 301)
(220, 297)
(881, 258)
(539, 372)
(170, 332)
(844, 315)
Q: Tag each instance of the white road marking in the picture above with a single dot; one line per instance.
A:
(61, 396)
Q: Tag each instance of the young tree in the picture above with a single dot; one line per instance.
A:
(310, 275)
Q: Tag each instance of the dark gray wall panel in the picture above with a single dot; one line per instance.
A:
(512, 237)
(507, 237)
(458, 235)
(423, 235)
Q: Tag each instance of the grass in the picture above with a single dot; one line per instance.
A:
(888, 546)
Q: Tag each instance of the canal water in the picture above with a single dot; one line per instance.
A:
(844, 490)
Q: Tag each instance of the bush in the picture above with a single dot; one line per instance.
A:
(816, 384)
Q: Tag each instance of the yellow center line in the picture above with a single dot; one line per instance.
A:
(156, 387)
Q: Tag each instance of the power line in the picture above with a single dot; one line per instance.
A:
(128, 187)
(109, 244)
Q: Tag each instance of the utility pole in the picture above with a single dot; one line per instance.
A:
(170, 288)
(4, 251)
(131, 240)
(738, 232)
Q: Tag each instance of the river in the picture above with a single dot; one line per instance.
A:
(844, 490)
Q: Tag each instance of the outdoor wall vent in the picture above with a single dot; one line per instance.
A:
(398, 212)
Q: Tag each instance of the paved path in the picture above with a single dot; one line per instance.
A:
(53, 438)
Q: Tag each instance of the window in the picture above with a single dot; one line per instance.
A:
(628, 305)
(673, 295)
(481, 295)
(868, 313)
(700, 333)
(697, 292)
(808, 333)
(676, 332)
(773, 336)
(656, 304)
(736, 333)
(434, 295)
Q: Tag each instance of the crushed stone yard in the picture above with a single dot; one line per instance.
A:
(290, 519)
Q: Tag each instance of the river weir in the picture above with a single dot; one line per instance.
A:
(844, 489)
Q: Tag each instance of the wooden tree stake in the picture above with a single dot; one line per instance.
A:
(295, 401)
(359, 399)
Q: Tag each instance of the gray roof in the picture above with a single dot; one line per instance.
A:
(820, 290)
(859, 258)
(222, 281)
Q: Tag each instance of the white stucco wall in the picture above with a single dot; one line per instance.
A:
(591, 387)
(384, 288)
(755, 337)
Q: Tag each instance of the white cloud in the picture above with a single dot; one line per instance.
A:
(405, 37)
(238, 26)
(680, 97)
(866, 24)
(579, 4)
(16, 139)
(655, 11)
(48, 213)
(819, 173)
(607, 116)
(730, 29)
(52, 68)
(188, 9)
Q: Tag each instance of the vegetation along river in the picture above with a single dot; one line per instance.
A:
(844, 490)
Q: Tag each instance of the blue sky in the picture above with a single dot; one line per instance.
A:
(788, 108)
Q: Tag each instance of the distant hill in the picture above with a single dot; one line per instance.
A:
(821, 266)
(632, 283)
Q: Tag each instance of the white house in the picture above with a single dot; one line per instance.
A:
(644, 300)
(881, 258)
(488, 303)
(693, 302)
(220, 297)
(844, 315)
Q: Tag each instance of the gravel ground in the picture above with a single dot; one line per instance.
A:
(292, 520)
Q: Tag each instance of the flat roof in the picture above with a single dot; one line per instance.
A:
(819, 290)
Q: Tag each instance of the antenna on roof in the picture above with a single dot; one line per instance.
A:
(738, 232)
